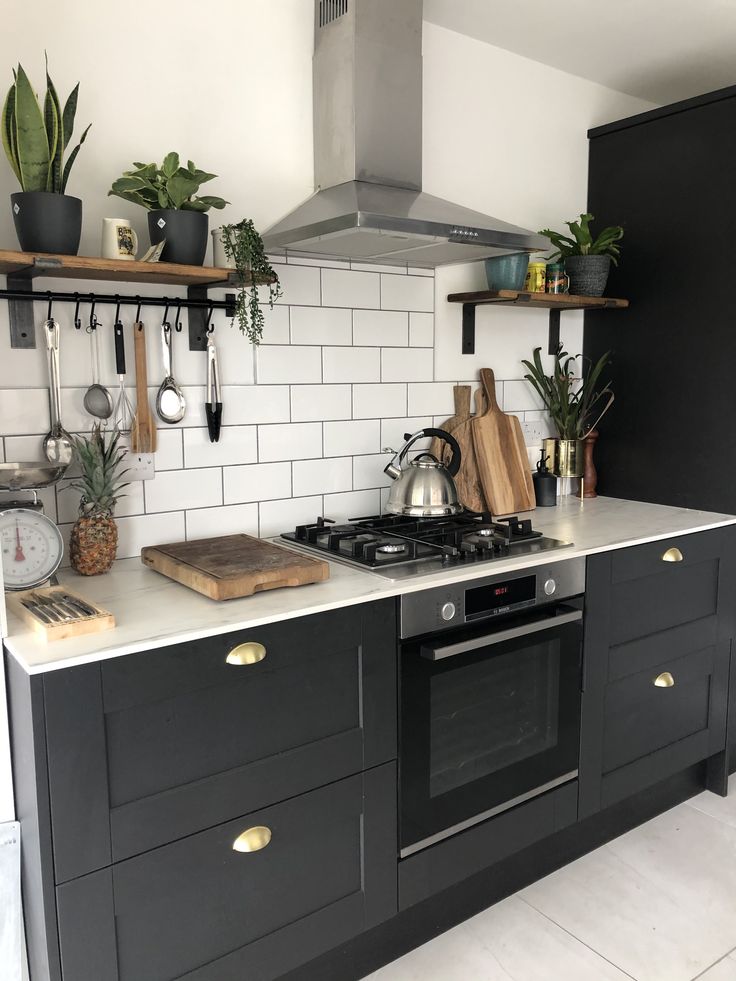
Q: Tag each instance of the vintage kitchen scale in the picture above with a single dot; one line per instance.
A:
(32, 550)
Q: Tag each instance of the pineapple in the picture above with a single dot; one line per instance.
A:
(94, 539)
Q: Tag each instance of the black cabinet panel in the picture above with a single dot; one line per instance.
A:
(197, 908)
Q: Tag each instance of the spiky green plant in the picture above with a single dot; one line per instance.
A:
(99, 459)
(243, 244)
(583, 243)
(35, 139)
(571, 397)
(167, 186)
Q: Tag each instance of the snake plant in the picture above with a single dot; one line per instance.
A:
(582, 241)
(35, 139)
(570, 399)
(168, 186)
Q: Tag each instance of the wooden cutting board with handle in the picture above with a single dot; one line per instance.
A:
(233, 565)
(501, 455)
(467, 480)
(143, 434)
(461, 394)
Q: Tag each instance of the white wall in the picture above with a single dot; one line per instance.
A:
(230, 86)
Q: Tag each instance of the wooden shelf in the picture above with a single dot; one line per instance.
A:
(554, 302)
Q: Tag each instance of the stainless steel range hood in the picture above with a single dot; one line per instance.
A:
(370, 205)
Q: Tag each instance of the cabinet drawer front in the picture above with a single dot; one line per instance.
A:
(642, 717)
(323, 869)
(668, 553)
(222, 739)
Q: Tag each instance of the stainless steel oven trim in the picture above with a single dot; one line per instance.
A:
(419, 846)
(438, 653)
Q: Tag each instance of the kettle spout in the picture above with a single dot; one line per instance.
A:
(393, 467)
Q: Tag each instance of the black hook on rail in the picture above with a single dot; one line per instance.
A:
(209, 328)
(50, 298)
(138, 310)
(177, 316)
(92, 317)
(165, 321)
(77, 321)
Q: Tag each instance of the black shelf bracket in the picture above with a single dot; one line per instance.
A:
(199, 315)
(468, 328)
(554, 332)
(20, 307)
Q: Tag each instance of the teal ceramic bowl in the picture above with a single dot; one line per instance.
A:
(507, 272)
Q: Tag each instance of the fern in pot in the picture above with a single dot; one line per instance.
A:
(240, 247)
(35, 139)
(177, 214)
(587, 259)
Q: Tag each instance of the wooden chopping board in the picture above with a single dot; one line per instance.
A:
(467, 480)
(501, 454)
(461, 393)
(233, 565)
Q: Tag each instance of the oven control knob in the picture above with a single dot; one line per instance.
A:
(448, 611)
(550, 586)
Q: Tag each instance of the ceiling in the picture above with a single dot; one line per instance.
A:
(655, 50)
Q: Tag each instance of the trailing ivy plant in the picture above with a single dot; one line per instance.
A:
(168, 186)
(244, 246)
(570, 397)
(582, 241)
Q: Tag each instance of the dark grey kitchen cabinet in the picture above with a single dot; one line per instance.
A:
(658, 641)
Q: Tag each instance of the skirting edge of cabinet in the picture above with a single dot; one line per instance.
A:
(425, 920)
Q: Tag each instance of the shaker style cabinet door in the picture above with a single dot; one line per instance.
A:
(152, 747)
(250, 899)
(658, 640)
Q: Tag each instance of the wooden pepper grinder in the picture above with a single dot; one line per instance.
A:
(590, 475)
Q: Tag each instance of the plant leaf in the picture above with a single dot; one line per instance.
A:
(55, 133)
(69, 113)
(8, 127)
(32, 142)
(72, 158)
(170, 164)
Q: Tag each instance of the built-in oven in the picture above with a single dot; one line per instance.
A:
(490, 687)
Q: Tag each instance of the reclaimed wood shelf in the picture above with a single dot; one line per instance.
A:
(22, 268)
(554, 302)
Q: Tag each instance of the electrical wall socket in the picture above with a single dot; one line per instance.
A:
(140, 466)
(534, 431)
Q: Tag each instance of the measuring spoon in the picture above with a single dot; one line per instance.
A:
(97, 399)
(170, 402)
(57, 446)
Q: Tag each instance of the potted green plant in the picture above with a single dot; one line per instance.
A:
(47, 219)
(240, 247)
(176, 214)
(587, 260)
(573, 397)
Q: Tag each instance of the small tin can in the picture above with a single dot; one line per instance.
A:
(557, 281)
(536, 277)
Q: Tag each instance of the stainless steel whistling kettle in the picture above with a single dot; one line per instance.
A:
(424, 488)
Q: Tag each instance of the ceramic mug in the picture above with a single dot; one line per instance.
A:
(119, 240)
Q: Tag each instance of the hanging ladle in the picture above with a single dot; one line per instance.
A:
(57, 446)
(97, 399)
(170, 402)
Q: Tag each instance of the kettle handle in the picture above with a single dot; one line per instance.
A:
(454, 465)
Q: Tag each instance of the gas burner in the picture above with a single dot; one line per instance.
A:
(391, 549)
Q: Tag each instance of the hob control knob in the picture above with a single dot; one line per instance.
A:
(448, 611)
(550, 586)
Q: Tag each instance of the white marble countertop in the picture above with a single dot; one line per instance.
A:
(152, 611)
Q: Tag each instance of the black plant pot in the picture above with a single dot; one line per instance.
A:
(588, 274)
(47, 222)
(185, 233)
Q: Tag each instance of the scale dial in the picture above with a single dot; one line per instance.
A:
(32, 548)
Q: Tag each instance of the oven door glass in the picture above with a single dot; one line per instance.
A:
(488, 715)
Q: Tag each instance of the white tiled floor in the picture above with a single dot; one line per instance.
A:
(656, 904)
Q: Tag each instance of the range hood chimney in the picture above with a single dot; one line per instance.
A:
(369, 205)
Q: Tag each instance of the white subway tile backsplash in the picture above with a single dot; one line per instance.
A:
(259, 482)
(378, 401)
(436, 398)
(421, 329)
(237, 444)
(368, 471)
(307, 259)
(183, 489)
(518, 396)
(169, 454)
(316, 402)
(18, 449)
(229, 520)
(24, 411)
(413, 364)
(407, 293)
(346, 288)
(379, 267)
(321, 325)
(380, 328)
(353, 504)
(279, 364)
(322, 476)
(352, 438)
(280, 516)
(300, 285)
(149, 529)
(275, 330)
(247, 405)
(67, 501)
(291, 441)
(352, 364)
(394, 430)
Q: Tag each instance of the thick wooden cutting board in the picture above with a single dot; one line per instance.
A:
(233, 565)
(468, 482)
(461, 393)
(500, 450)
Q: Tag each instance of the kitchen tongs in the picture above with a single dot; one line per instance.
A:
(213, 405)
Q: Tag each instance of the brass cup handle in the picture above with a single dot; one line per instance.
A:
(252, 839)
(673, 555)
(664, 680)
(248, 653)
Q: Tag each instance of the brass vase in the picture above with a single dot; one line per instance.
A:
(565, 457)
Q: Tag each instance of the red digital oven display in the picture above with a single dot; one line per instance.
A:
(499, 596)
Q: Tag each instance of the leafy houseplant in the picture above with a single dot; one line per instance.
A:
(572, 399)
(35, 140)
(244, 252)
(587, 260)
(176, 214)
(94, 538)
